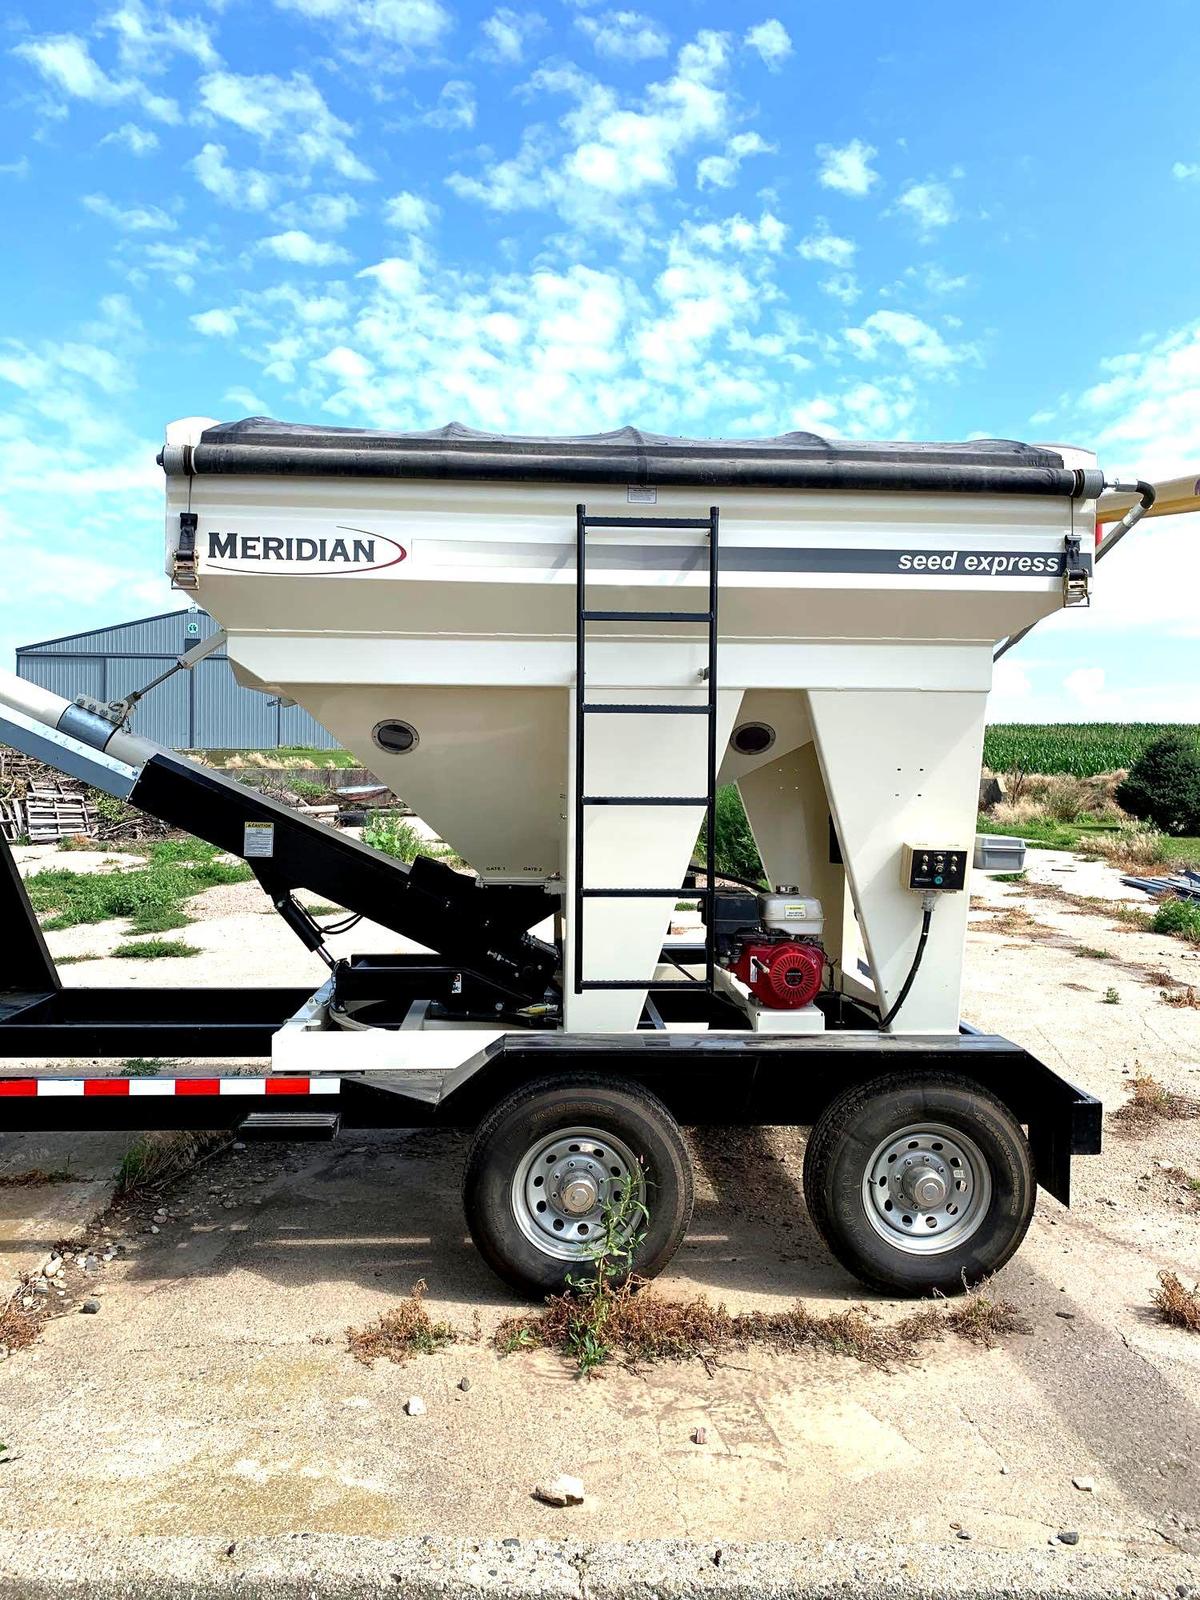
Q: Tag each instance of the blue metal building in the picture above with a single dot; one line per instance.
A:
(204, 709)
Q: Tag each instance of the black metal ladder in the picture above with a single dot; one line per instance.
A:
(585, 708)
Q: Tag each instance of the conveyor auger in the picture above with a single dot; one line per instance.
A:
(483, 929)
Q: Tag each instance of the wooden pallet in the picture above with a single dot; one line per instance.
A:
(12, 820)
(53, 812)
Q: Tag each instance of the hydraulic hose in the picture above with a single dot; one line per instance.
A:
(927, 904)
(1147, 494)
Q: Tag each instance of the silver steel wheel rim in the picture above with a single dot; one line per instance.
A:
(562, 1185)
(927, 1188)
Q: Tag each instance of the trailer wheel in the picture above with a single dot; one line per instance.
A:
(548, 1159)
(919, 1184)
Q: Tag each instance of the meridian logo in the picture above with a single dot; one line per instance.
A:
(315, 557)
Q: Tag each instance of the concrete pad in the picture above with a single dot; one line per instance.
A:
(36, 1217)
(303, 1566)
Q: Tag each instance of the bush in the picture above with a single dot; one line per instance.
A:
(396, 837)
(1179, 917)
(1066, 797)
(736, 851)
(1134, 845)
(1163, 786)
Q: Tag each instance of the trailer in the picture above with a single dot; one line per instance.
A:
(558, 651)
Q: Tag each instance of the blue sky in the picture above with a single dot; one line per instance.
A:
(866, 220)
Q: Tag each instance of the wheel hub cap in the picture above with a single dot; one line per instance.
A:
(927, 1188)
(562, 1185)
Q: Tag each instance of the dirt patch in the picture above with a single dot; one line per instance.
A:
(1176, 1305)
(36, 1177)
(19, 1325)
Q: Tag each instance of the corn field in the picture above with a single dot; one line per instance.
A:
(1079, 748)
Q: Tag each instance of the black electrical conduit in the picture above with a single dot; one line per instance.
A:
(1147, 495)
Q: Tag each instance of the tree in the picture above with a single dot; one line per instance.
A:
(1163, 786)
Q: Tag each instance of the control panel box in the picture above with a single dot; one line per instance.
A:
(934, 869)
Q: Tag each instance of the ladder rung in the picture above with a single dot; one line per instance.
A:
(646, 616)
(644, 983)
(645, 800)
(647, 522)
(652, 710)
(645, 894)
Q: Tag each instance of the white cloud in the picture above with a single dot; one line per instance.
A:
(921, 344)
(608, 153)
(507, 32)
(822, 244)
(289, 114)
(772, 41)
(345, 364)
(65, 62)
(841, 286)
(1186, 171)
(178, 263)
(146, 37)
(300, 247)
(215, 323)
(138, 141)
(409, 213)
(75, 480)
(455, 106)
(409, 25)
(930, 205)
(1085, 686)
(130, 219)
(20, 168)
(720, 172)
(245, 189)
(1144, 415)
(329, 213)
(734, 233)
(625, 35)
(847, 168)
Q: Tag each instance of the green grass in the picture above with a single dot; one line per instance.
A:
(285, 754)
(1180, 917)
(143, 1067)
(150, 896)
(1044, 834)
(1008, 877)
(1080, 748)
(155, 949)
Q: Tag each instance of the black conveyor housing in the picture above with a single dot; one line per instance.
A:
(482, 928)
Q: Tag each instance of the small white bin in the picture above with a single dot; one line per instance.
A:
(995, 853)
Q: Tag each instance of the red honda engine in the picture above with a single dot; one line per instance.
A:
(780, 972)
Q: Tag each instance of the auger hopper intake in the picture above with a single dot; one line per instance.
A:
(559, 652)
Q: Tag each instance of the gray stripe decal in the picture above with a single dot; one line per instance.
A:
(914, 563)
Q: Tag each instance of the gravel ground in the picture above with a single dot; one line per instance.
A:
(211, 1403)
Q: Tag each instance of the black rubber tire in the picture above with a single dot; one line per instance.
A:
(532, 1112)
(846, 1136)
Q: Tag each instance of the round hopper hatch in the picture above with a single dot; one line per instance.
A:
(396, 737)
(752, 738)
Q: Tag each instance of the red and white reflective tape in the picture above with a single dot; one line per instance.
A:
(148, 1088)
